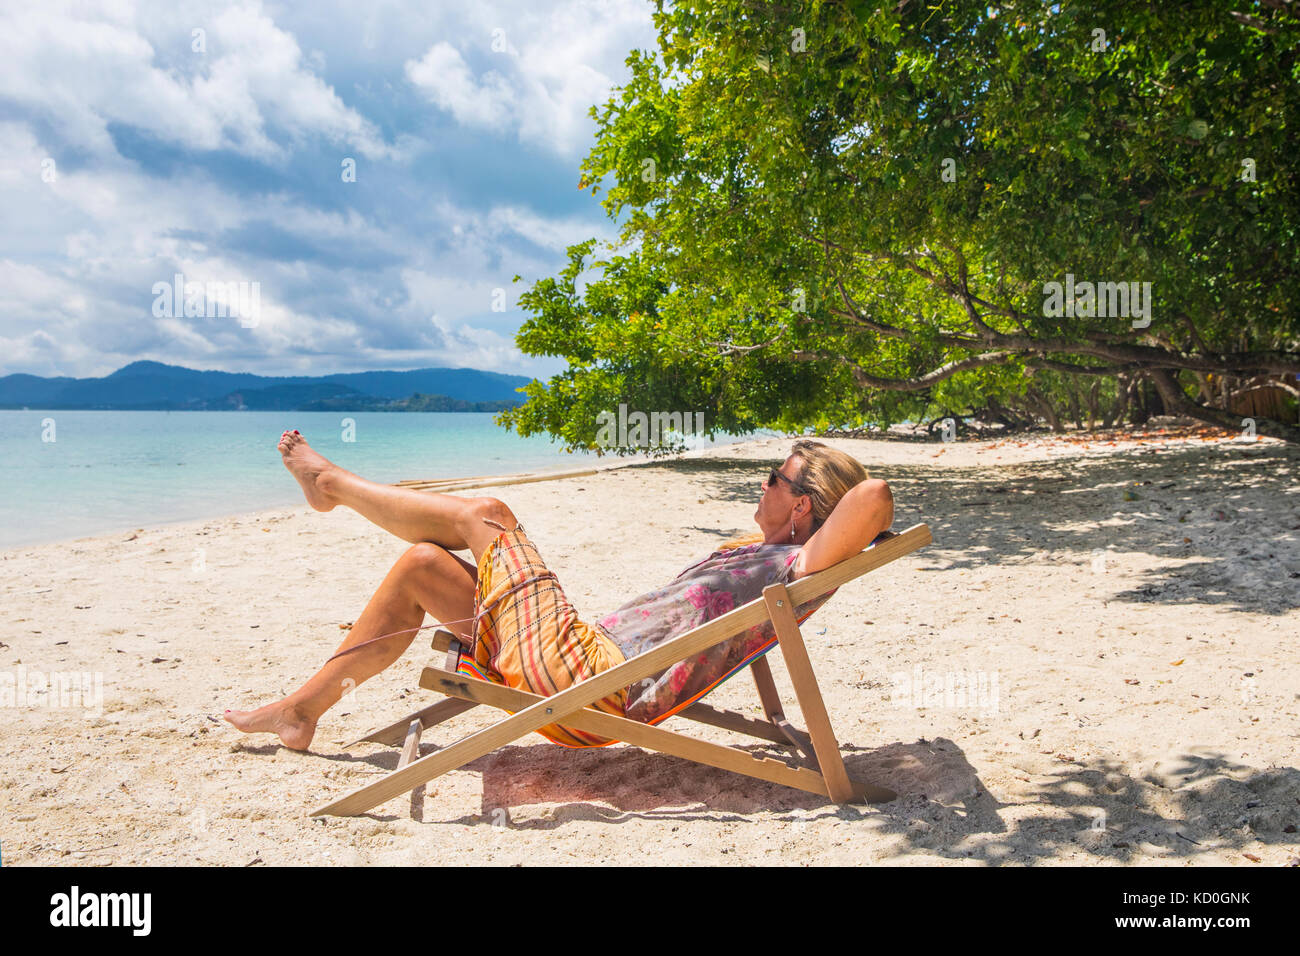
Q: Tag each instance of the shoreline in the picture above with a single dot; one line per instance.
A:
(293, 495)
(442, 485)
(899, 435)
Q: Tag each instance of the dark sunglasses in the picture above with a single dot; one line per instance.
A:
(794, 485)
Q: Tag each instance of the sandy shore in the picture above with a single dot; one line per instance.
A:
(1128, 607)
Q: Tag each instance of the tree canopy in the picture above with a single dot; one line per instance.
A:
(838, 213)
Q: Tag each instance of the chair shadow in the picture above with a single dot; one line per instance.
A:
(621, 783)
(617, 783)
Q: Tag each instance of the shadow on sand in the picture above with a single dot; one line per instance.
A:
(1197, 803)
(1238, 504)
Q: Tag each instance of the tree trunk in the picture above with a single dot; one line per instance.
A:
(1138, 413)
(1073, 400)
(994, 412)
(1024, 416)
(1175, 399)
(1093, 409)
(1116, 415)
(1046, 408)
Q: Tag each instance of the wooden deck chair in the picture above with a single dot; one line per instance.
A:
(818, 766)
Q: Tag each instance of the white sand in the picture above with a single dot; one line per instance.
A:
(1140, 702)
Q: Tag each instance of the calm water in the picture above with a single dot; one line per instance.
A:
(109, 471)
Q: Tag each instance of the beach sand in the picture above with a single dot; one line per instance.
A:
(1127, 610)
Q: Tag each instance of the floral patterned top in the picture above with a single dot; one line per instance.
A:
(707, 589)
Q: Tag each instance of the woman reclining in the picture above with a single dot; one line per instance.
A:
(818, 508)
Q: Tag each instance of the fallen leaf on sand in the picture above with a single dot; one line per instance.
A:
(1177, 662)
(1130, 680)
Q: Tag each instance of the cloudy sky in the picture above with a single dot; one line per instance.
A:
(142, 140)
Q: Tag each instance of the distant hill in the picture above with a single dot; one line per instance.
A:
(155, 385)
(416, 403)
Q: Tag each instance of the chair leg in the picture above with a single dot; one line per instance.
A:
(411, 750)
(731, 720)
(829, 759)
(398, 731)
(430, 716)
(772, 709)
(766, 688)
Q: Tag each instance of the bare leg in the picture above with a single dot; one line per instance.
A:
(450, 521)
(426, 578)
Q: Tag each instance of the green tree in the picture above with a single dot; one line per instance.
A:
(845, 212)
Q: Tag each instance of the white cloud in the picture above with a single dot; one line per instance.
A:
(472, 347)
(249, 91)
(114, 231)
(551, 233)
(445, 78)
(554, 67)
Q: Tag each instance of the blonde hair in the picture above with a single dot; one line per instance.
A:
(825, 477)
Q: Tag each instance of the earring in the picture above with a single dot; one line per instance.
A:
(791, 530)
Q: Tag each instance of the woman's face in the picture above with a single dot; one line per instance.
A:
(777, 505)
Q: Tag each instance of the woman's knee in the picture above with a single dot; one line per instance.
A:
(428, 565)
(494, 510)
(426, 556)
(433, 578)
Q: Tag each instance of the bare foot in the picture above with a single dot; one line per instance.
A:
(295, 729)
(307, 465)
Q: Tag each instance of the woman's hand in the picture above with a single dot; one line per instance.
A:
(865, 511)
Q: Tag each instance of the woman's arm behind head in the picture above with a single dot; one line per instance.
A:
(865, 510)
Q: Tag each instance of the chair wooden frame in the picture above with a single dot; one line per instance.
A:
(818, 766)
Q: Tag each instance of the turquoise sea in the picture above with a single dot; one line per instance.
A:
(107, 471)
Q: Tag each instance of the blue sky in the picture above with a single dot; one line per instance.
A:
(127, 156)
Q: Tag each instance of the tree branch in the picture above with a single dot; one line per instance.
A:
(919, 383)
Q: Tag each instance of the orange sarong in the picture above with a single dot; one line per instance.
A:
(528, 636)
